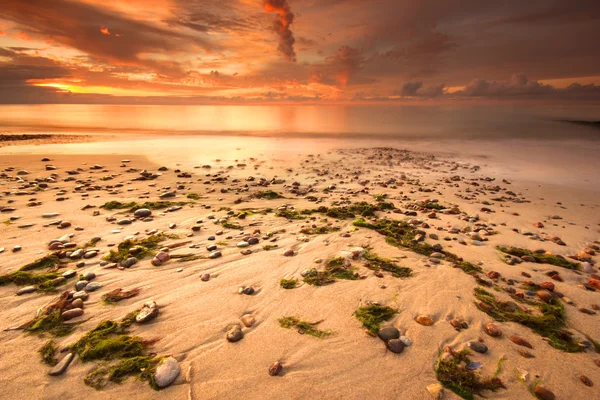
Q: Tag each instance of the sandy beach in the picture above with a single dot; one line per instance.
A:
(243, 198)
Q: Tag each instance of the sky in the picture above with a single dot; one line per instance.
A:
(294, 51)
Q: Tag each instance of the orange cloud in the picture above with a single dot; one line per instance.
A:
(104, 31)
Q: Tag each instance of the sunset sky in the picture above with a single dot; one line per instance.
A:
(243, 51)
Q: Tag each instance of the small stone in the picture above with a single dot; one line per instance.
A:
(586, 381)
(166, 372)
(80, 285)
(492, 329)
(543, 393)
(26, 290)
(77, 303)
(478, 347)
(407, 342)
(205, 277)
(142, 213)
(520, 341)
(248, 290)
(90, 254)
(545, 296)
(395, 346)
(248, 320)
(525, 354)
(128, 263)
(243, 244)
(275, 369)
(81, 295)
(235, 334)
(92, 286)
(62, 366)
(215, 254)
(72, 313)
(388, 333)
(89, 276)
(288, 253)
(424, 320)
(148, 312)
(212, 247)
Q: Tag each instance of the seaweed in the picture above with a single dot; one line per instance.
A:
(193, 196)
(401, 234)
(290, 214)
(269, 247)
(47, 262)
(376, 263)
(267, 194)
(114, 296)
(232, 225)
(133, 206)
(552, 259)
(373, 315)
(320, 278)
(320, 230)
(187, 257)
(549, 322)
(145, 246)
(22, 278)
(304, 327)
(144, 367)
(48, 353)
(49, 318)
(289, 283)
(451, 371)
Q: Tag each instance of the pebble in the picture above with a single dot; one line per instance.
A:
(586, 381)
(166, 372)
(248, 320)
(395, 346)
(92, 286)
(215, 254)
(81, 295)
(128, 263)
(478, 347)
(436, 390)
(275, 368)
(235, 334)
(80, 285)
(26, 290)
(142, 213)
(388, 333)
(288, 253)
(520, 341)
(492, 329)
(545, 296)
(77, 303)
(248, 290)
(212, 247)
(148, 312)
(72, 313)
(62, 366)
(90, 254)
(407, 342)
(243, 244)
(543, 394)
(424, 320)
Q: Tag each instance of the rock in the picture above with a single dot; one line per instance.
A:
(124, 221)
(248, 290)
(248, 320)
(62, 366)
(128, 263)
(81, 295)
(235, 334)
(547, 285)
(243, 244)
(160, 258)
(407, 342)
(167, 371)
(436, 390)
(142, 213)
(525, 354)
(594, 283)
(395, 346)
(246, 252)
(492, 329)
(275, 369)
(205, 277)
(148, 312)
(520, 341)
(26, 290)
(72, 313)
(89, 276)
(424, 320)
(212, 247)
(478, 347)
(90, 254)
(388, 333)
(545, 296)
(77, 303)
(92, 286)
(215, 254)
(543, 394)
(288, 253)
(586, 381)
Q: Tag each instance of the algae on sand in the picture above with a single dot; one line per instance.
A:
(304, 327)
(132, 206)
(48, 353)
(145, 246)
(142, 366)
(543, 258)
(451, 370)
(373, 315)
(549, 321)
(288, 283)
(375, 263)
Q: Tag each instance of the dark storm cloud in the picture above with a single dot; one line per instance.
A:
(281, 26)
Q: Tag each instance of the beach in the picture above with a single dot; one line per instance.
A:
(315, 212)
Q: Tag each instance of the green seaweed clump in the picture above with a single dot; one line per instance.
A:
(49, 318)
(549, 322)
(291, 283)
(145, 247)
(304, 327)
(269, 247)
(402, 234)
(50, 261)
(114, 296)
(232, 225)
(376, 263)
(543, 258)
(267, 194)
(373, 315)
(319, 230)
(290, 214)
(193, 196)
(132, 206)
(452, 372)
(48, 353)
(144, 367)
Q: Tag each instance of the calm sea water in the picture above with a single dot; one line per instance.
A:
(381, 121)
